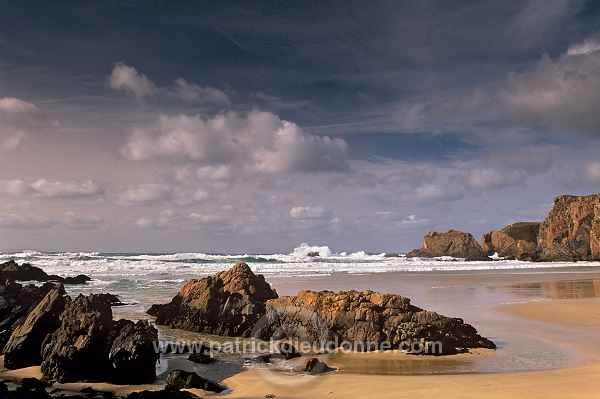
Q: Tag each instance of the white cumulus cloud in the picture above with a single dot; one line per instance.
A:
(18, 119)
(128, 79)
(310, 212)
(260, 141)
(146, 194)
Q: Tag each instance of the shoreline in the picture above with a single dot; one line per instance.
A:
(491, 302)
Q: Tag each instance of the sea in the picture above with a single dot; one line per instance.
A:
(143, 279)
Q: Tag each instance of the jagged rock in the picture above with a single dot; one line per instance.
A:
(179, 379)
(24, 344)
(26, 272)
(451, 243)
(571, 231)
(89, 346)
(517, 240)
(365, 319)
(228, 303)
(16, 301)
(315, 366)
(132, 354)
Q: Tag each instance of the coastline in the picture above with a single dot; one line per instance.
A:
(557, 310)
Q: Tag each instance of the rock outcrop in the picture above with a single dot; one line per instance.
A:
(16, 301)
(571, 231)
(365, 319)
(179, 379)
(515, 241)
(314, 366)
(451, 243)
(228, 303)
(90, 346)
(26, 272)
(24, 345)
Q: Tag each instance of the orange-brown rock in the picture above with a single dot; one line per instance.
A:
(451, 243)
(572, 229)
(517, 240)
(363, 319)
(228, 303)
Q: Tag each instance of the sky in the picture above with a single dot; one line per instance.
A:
(253, 127)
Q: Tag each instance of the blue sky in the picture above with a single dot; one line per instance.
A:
(238, 126)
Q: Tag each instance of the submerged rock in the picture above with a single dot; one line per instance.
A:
(228, 303)
(367, 320)
(451, 243)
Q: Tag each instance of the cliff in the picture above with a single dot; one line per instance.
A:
(451, 243)
(515, 241)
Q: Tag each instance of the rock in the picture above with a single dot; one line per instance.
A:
(132, 354)
(517, 240)
(16, 301)
(79, 279)
(200, 358)
(89, 346)
(571, 232)
(228, 303)
(26, 272)
(77, 349)
(315, 366)
(367, 320)
(167, 393)
(451, 243)
(262, 359)
(288, 351)
(313, 254)
(24, 345)
(179, 379)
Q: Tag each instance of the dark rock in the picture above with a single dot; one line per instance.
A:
(201, 358)
(364, 319)
(451, 243)
(228, 303)
(26, 272)
(179, 379)
(79, 279)
(288, 351)
(32, 383)
(132, 354)
(516, 241)
(478, 258)
(315, 366)
(262, 359)
(571, 232)
(167, 393)
(24, 345)
(16, 301)
(89, 346)
(313, 254)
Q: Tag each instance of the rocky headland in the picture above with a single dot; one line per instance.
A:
(571, 232)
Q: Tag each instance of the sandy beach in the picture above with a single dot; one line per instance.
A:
(546, 325)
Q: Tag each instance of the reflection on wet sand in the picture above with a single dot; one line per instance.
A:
(556, 289)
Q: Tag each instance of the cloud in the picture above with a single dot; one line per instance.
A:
(310, 212)
(74, 221)
(259, 141)
(66, 189)
(128, 79)
(489, 179)
(45, 189)
(563, 94)
(587, 176)
(146, 194)
(18, 119)
(25, 222)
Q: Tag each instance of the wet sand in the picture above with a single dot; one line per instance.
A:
(547, 327)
